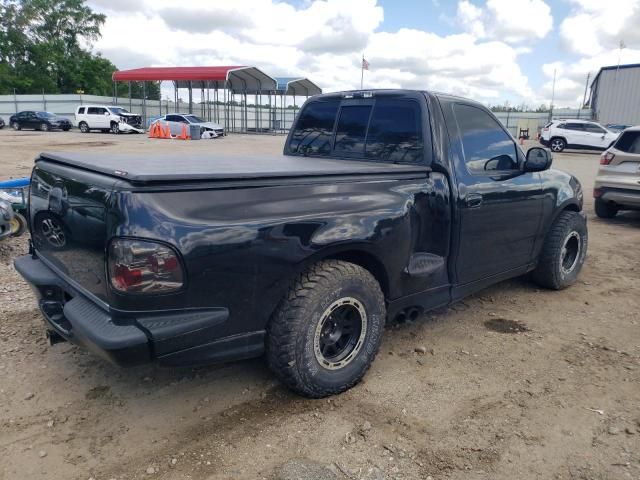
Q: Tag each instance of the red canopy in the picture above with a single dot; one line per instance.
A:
(240, 78)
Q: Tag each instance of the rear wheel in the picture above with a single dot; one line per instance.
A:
(324, 335)
(605, 209)
(16, 126)
(563, 252)
(84, 127)
(557, 144)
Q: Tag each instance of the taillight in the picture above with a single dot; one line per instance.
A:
(144, 267)
(606, 157)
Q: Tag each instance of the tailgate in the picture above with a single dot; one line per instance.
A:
(69, 219)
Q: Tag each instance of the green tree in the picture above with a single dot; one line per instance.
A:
(41, 48)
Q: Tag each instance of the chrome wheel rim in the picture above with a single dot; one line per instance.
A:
(53, 232)
(556, 145)
(570, 253)
(340, 333)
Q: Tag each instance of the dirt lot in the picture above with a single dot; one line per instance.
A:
(554, 396)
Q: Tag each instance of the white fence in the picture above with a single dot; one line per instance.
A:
(233, 117)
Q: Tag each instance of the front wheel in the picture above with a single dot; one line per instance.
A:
(115, 128)
(563, 252)
(557, 145)
(325, 333)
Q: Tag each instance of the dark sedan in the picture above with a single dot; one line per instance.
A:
(44, 121)
(1, 123)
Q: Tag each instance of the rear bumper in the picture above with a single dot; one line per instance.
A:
(621, 196)
(175, 338)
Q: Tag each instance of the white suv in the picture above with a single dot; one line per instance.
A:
(107, 118)
(561, 134)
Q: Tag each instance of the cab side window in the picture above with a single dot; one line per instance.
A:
(487, 146)
(81, 111)
(395, 132)
(92, 111)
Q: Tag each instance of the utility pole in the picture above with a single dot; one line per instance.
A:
(584, 97)
(553, 95)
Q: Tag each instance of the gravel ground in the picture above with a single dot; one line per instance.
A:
(512, 383)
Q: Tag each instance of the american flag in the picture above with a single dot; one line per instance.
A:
(365, 64)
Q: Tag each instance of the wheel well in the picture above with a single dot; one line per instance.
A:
(572, 207)
(367, 261)
(560, 137)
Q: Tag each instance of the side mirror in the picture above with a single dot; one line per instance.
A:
(106, 113)
(538, 159)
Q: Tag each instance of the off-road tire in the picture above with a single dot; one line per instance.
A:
(605, 209)
(549, 273)
(557, 144)
(18, 225)
(84, 127)
(292, 330)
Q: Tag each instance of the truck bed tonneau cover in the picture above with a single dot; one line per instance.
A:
(166, 168)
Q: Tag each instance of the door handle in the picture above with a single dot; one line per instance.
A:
(473, 200)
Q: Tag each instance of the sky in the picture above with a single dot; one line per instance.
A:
(493, 51)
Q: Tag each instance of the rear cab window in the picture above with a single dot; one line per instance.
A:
(629, 142)
(383, 129)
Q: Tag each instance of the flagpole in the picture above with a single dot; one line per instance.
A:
(362, 72)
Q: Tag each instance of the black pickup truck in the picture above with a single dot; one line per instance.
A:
(385, 204)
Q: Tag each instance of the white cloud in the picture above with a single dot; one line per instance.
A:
(596, 26)
(571, 76)
(511, 21)
(592, 31)
(323, 40)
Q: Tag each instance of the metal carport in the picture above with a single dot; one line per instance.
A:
(232, 80)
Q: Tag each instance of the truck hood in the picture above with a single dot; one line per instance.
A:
(173, 168)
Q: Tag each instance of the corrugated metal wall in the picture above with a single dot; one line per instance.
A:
(618, 96)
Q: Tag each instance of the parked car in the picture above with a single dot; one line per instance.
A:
(44, 121)
(1, 123)
(617, 185)
(107, 118)
(177, 120)
(384, 204)
(561, 134)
